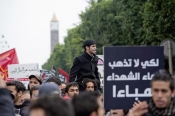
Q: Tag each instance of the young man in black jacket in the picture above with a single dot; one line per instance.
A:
(85, 65)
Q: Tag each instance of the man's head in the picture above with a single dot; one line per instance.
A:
(48, 89)
(34, 80)
(34, 92)
(51, 105)
(56, 80)
(72, 89)
(90, 47)
(88, 104)
(162, 86)
(25, 96)
(63, 85)
(16, 88)
(89, 84)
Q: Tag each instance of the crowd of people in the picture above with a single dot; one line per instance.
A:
(56, 98)
(82, 95)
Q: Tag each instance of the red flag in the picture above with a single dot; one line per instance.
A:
(6, 58)
(64, 74)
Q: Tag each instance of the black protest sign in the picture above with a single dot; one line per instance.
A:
(128, 71)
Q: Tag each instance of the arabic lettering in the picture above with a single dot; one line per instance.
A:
(128, 63)
(24, 70)
(125, 92)
(131, 76)
(148, 76)
(136, 61)
(151, 63)
(121, 64)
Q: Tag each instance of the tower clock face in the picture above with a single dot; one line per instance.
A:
(54, 26)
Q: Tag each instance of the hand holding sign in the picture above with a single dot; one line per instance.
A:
(138, 109)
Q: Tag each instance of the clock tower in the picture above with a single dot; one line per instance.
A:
(54, 28)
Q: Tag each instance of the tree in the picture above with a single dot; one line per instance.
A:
(56, 58)
(159, 21)
(98, 23)
(116, 23)
(64, 54)
(73, 45)
(131, 20)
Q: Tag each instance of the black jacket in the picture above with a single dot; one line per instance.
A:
(6, 103)
(84, 66)
(25, 108)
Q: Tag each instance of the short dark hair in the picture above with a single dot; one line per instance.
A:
(26, 91)
(85, 103)
(163, 75)
(33, 89)
(54, 79)
(53, 105)
(87, 80)
(74, 84)
(62, 82)
(63, 92)
(18, 85)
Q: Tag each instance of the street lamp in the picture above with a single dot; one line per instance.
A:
(3, 44)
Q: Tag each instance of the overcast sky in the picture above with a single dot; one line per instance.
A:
(25, 25)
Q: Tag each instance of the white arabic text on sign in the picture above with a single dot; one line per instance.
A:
(130, 77)
(125, 92)
(128, 63)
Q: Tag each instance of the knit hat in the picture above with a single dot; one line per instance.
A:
(88, 43)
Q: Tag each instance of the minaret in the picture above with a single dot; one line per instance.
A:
(54, 29)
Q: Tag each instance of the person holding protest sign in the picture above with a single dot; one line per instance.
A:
(162, 102)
